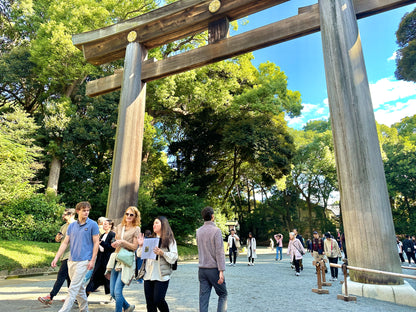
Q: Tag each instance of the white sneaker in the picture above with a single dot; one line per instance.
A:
(335, 279)
(230, 264)
(297, 274)
(252, 264)
(233, 264)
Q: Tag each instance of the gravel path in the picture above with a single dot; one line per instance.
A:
(266, 286)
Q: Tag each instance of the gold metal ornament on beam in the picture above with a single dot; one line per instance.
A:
(132, 36)
(214, 6)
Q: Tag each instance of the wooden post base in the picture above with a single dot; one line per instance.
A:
(320, 291)
(326, 284)
(346, 298)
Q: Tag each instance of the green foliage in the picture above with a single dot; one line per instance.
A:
(32, 219)
(18, 155)
(406, 55)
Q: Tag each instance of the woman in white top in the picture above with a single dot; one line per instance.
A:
(233, 245)
(251, 249)
(158, 272)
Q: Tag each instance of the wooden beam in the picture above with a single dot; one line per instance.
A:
(284, 30)
(166, 24)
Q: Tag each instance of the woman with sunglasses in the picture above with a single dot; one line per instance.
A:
(127, 234)
(158, 271)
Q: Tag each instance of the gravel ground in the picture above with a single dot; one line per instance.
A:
(266, 286)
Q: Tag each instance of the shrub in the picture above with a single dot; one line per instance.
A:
(37, 218)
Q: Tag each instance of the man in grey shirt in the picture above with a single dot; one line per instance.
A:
(211, 262)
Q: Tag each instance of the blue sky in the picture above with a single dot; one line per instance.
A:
(302, 61)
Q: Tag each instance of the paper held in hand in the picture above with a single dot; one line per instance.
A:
(148, 245)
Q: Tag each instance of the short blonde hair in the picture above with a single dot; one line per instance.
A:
(137, 219)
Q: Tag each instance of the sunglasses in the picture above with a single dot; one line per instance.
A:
(130, 214)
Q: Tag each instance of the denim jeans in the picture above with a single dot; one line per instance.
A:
(155, 293)
(279, 249)
(116, 291)
(60, 279)
(208, 278)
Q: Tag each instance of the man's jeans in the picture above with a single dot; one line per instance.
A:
(279, 250)
(77, 271)
(208, 278)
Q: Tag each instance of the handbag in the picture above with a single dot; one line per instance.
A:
(142, 270)
(125, 256)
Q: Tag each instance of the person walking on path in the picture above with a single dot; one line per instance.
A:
(233, 245)
(159, 270)
(300, 238)
(127, 234)
(279, 246)
(104, 251)
(318, 248)
(251, 249)
(68, 216)
(83, 238)
(211, 262)
(296, 251)
(332, 252)
(409, 249)
(400, 249)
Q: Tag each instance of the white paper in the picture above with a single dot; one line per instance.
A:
(148, 245)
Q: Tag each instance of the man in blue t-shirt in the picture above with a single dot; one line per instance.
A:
(83, 238)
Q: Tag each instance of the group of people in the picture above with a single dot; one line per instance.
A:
(408, 247)
(84, 249)
(87, 247)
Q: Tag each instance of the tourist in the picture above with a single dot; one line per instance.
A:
(127, 233)
(279, 246)
(400, 249)
(211, 262)
(300, 238)
(83, 237)
(158, 271)
(318, 248)
(104, 251)
(251, 249)
(296, 251)
(332, 252)
(67, 216)
(233, 245)
(271, 244)
(409, 249)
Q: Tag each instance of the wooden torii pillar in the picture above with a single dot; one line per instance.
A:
(187, 17)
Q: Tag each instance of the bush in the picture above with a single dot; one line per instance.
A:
(37, 218)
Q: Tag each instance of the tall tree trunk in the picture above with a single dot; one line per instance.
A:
(54, 172)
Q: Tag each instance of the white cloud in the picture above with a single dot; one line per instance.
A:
(393, 57)
(389, 89)
(394, 113)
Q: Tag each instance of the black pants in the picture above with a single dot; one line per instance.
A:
(155, 292)
(334, 271)
(410, 255)
(233, 252)
(401, 257)
(60, 279)
(297, 264)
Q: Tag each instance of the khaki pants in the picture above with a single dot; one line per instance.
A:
(317, 257)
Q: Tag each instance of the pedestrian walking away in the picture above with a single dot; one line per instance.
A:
(159, 270)
(83, 238)
(211, 265)
(122, 273)
(251, 249)
(67, 216)
(400, 249)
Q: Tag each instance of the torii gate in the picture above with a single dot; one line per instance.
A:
(365, 205)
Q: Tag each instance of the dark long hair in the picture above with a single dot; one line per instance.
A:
(166, 235)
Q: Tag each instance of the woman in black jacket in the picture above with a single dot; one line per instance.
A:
(104, 252)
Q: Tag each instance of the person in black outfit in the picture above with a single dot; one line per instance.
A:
(104, 252)
(409, 249)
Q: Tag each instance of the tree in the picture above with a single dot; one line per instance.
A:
(406, 55)
(19, 155)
